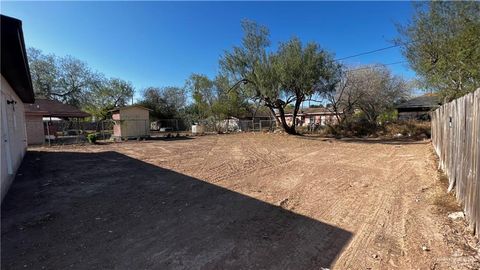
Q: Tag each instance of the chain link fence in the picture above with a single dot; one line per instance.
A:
(64, 131)
(58, 132)
(167, 125)
(257, 126)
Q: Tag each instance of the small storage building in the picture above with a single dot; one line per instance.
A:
(131, 122)
(34, 114)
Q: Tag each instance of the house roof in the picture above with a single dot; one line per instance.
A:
(424, 101)
(129, 107)
(53, 108)
(316, 110)
(14, 63)
(308, 111)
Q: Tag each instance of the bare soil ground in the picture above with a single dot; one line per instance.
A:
(246, 201)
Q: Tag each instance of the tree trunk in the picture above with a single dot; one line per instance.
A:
(228, 122)
(286, 127)
(277, 121)
(298, 102)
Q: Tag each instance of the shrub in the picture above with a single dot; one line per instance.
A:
(92, 138)
(361, 128)
(409, 128)
(388, 116)
(302, 130)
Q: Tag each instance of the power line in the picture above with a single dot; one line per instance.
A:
(370, 52)
(377, 65)
(367, 52)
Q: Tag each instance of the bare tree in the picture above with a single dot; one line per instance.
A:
(377, 90)
(369, 89)
(343, 97)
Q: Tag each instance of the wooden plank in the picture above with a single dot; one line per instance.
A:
(456, 140)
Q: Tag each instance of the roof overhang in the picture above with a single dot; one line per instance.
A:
(129, 107)
(53, 108)
(309, 113)
(14, 62)
(58, 114)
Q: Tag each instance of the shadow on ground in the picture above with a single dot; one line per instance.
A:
(172, 138)
(400, 141)
(107, 210)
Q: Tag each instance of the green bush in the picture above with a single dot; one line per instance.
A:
(388, 116)
(92, 138)
(355, 128)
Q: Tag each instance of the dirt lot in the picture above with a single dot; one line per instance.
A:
(246, 201)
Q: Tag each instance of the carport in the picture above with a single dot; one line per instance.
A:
(45, 118)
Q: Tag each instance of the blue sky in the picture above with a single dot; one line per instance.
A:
(162, 43)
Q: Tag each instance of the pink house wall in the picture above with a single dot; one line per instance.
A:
(321, 119)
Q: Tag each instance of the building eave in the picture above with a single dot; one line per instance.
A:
(14, 62)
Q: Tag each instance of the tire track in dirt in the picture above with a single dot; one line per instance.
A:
(369, 231)
(374, 190)
(232, 170)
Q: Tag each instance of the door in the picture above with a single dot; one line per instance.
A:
(6, 143)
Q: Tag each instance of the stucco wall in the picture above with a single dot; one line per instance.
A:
(319, 119)
(35, 130)
(14, 135)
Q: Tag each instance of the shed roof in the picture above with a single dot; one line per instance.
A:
(424, 101)
(14, 63)
(130, 107)
(53, 108)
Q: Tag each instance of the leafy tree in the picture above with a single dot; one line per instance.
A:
(216, 99)
(108, 94)
(252, 67)
(66, 79)
(278, 79)
(166, 102)
(201, 89)
(441, 43)
(153, 99)
(229, 102)
(44, 73)
(303, 73)
(75, 81)
(71, 81)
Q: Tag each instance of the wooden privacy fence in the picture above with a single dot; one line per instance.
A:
(456, 139)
